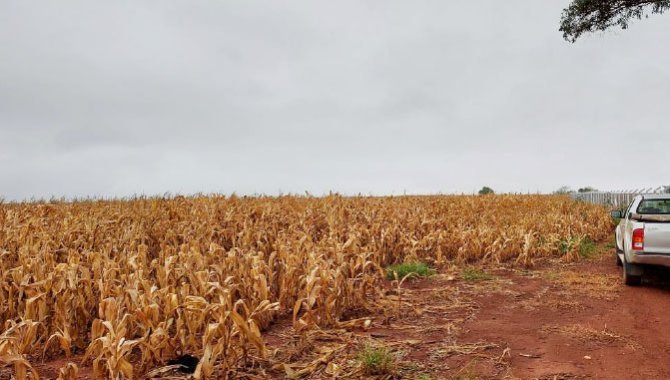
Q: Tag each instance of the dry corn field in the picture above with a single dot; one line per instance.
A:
(124, 286)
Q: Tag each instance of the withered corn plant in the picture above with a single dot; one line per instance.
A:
(132, 283)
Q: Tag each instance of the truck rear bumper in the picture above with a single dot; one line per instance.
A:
(650, 259)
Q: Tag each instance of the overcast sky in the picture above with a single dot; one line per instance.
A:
(117, 98)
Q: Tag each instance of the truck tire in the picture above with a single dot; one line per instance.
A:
(629, 278)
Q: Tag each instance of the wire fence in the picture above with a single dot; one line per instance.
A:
(617, 199)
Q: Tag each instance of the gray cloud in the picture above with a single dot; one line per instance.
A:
(119, 98)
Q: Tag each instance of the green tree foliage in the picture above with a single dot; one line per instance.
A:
(486, 190)
(587, 189)
(563, 190)
(586, 16)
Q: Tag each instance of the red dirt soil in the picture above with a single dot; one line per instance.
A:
(593, 328)
(561, 321)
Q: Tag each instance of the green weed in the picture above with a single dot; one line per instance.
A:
(473, 274)
(377, 360)
(418, 269)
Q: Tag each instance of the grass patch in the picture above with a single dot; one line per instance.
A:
(587, 248)
(377, 360)
(473, 274)
(418, 269)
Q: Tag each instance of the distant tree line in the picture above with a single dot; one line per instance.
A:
(568, 190)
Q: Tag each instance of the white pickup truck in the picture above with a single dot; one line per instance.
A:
(643, 236)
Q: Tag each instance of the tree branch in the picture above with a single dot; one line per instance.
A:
(584, 16)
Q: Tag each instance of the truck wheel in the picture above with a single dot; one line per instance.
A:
(628, 277)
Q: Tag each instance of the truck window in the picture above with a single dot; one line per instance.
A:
(654, 207)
